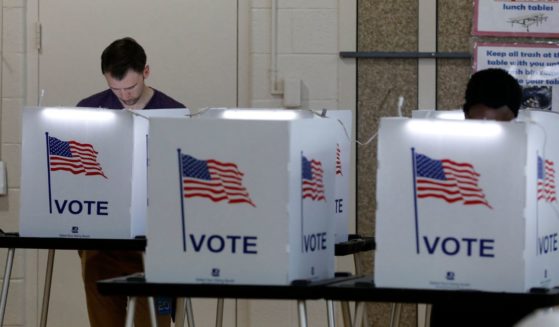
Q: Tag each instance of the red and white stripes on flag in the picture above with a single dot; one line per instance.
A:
(448, 180)
(74, 157)
(338, 161)
(214, 180)
(546, 180)
(313, 186)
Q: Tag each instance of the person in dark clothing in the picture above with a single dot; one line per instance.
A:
(491, 94)
(123, 64)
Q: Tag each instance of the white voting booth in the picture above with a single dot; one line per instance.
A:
(467, 204)
(341, 203)
(241, 196)
(222, 199)
(84, 172)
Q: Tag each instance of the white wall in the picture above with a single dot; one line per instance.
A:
(310, 35)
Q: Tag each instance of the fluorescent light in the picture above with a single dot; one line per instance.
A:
(79, 114)
(481, 129)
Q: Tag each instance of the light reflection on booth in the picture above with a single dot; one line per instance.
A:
(70, 114)
(470, 129)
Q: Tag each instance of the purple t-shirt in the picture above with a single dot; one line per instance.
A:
(107, 99)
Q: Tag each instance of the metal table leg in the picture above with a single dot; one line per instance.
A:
(46, 292)
(346, 314)
(130, 311)
(151, 305)
(331, 313)
(189, 312)
(396, 312)
(359, 313)
(179, 313)
(6, 283)
(427, 315)
(219, 314)
(302, 310)
(184, 308)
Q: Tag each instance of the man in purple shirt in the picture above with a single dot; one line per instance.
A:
(123, 64)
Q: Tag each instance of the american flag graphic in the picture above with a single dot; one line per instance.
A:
(546, 180)
(74, 157)
(448, 180)
(338, 161)
(313, 187)
(214, 180)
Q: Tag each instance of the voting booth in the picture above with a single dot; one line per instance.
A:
(467, 204)
(241, 196)
(342, 175)
(84, 172)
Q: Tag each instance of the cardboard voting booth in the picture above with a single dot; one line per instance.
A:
(84, 172)
(241, 196)
(467, 204)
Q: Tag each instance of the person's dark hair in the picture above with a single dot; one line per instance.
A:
(493, 87)
(122, 55)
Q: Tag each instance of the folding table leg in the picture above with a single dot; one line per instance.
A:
(6, 283)
(302, 310)
(396, 312)
(427, 315)
(46, 292)
(130, 311)
(219, 313)
(189, 312)
(359, 314)
(331, 313)
(181, 312)
(346, 314)
(151, 305)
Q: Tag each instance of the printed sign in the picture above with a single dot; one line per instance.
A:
(84, 172)
(533, 18)
(535, 66)
(467, 204)
(240, 201)
(72, 184)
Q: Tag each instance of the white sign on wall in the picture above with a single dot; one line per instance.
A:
(535, 18)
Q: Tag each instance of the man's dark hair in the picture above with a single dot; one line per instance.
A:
(493, 87)
(122, 55)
